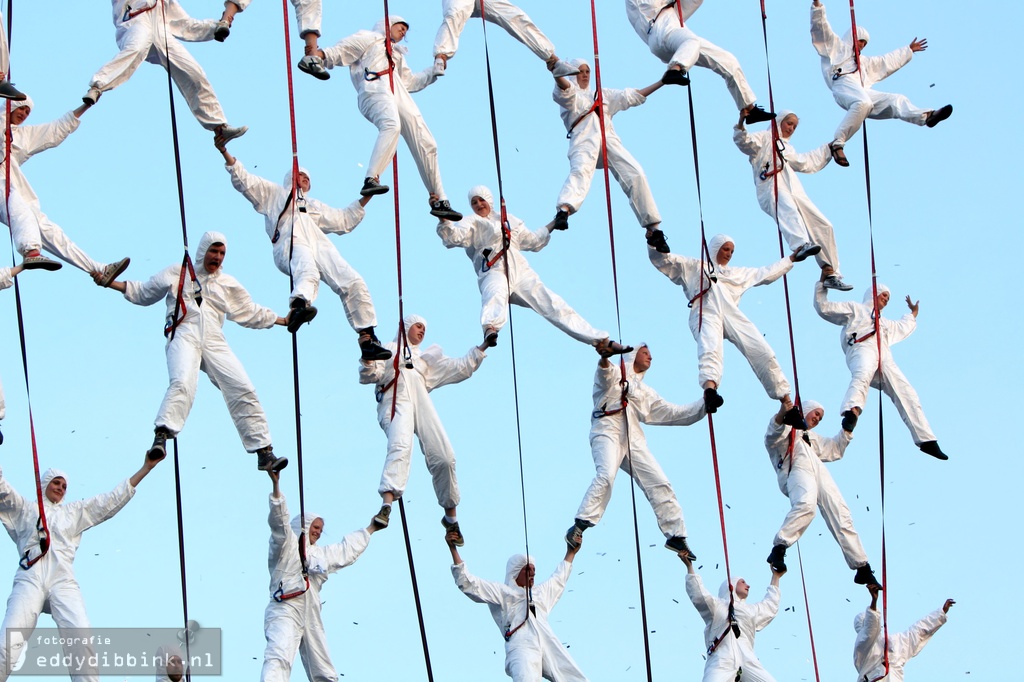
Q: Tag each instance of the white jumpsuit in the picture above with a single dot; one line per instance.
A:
(805, 480)
(302, 229)
(199, 344)
(415, 414)
(393, 113)
(308, 14)
(577, 108)
(140, 37)
(500, 12)
(295, 624)
(49, 586)
(715, 314)
(657, 23)
(857, 321)
(616, 445)
(534, 651)
(903, 646)
(799, 219)
(6, 282)
(482, 240)
(732, 654)
(30, 227)
(852, 88)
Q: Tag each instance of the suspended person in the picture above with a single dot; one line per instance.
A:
(857, 338)
(781, 195)
(870, 646)
(31, 230)
(7, 89)
(797, 455)
(292, 621)
(621, 404)
(308, 15)
(731, 625)
(141, 37)
(482, 237)
(195, 341)
(7, 276)
(48, 584)
(713, 290)
(298, 226)
(169, 663)
(658, 24)
(404, 410)
(851, 83)
(502, 13)
(579, 112)
(520, 609)
(375, 60)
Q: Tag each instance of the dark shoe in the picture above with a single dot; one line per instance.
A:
(607, 348)
(449, 529)
(931, 447)
(836, 282)
(778, 558)
(8, 91)
(266, 461)
(301, 313)
(1, 438)
(314, 66)
(678, 545)
(675, 77)
(370, 345)
(158, 450)
(443, 210)
(491, 338)
(849, 421)
(372, 188)
(223, 30)
(794, 418)
(382, 517)
(839, 156)
(712, 401)
(40, 263)
(92, 96)
(938, 116)
(758, 115)
(561, 221)
(657, 240)
(805, 252)
(865, 576)
(574, 536)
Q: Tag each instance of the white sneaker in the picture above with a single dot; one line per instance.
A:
(439, 67)
(226, 133)
(563, 69)
(836, 282)
(111, 272)
(314, 66)
(92, 96)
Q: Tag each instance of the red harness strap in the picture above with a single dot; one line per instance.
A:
(506, 241)
(129, 14)
(596, 106)
(180, 311)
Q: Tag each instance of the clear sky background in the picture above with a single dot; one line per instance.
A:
(944, 210)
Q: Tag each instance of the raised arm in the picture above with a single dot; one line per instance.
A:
(259, 191)
(349, 50)
(823, 38)
(836, 313)
(30, 140)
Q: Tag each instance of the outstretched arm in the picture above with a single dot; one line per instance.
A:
(651, 89)
(147, 466)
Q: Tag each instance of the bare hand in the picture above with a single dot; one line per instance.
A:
(777, 572)
(947, 605)
(275, 476)
(450, 539)
(913, 305)
(918, 45)
(96, 277)
(685, 558)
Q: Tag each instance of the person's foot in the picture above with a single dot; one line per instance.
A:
(439, 67)
(849, 421)
(656, 240)
(223, 30)
(372, 188)
(36, 261)
(677, 544)
(491, 337)
(314, 66)
(111, 272)
(92, 96)
(574, 536)
(158, 450)
(607, 348)
(1, 438)
(561, 221)
(561, 69)
(938, 116)
(777, 558)
(931, 447)
(383, 516)
(675, 77)
(225, 133)
(836, 282)
(838, 155)
(300, 314)
(712, 401)
(865, 576)
(267, 461)
(805, 252)
(8, 91)
(449, 529)
(443, 210)
(371, 346)
(794, 418)
(757, 114)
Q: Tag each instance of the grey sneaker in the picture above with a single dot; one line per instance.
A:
(158, 450)
(382, 517)
(836, 282)
(805, 252)
(40, 263)
(450, 528)
(226, 133)
(314, 66)
(267, 461)
(111, 272)
(574, 536)
(8, 91)
(92, 96)
(678, 545)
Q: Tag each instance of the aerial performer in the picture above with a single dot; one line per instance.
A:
(621, 404)
(196, 342)
(860, 322)
(7, 276)
(870, 645)
(713, 289)
(851, 75)
(730, 625)
(798, 457)
(292, 622)
(781, 195)
(141, 37)
(7, 89)
(297, 226)
(579, 112)
(45, 581)
(308, 15)
(376, 60)
(520, 609)
(658, 24)
(31, 230)
(404, 410)
(504, 14)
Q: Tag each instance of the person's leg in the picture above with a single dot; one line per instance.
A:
(438, 453)
(381, 110)
(400, 431)
(633, 182)
(23, 608)
(555, 310)
(907, 403)
(862, 360)
(850, 95)
(802, 490)
(838, 519)
(583, 153)
(282, 625)
(648, 474)
(228, 375)
(608, 452)
(494, 299)
(421, 145)
(294, 257)
(184, 354)
(68, 611)
(134, 40)
(749, 341)
(55, 241)
(675, 45)
(343, 279)
(456, 14)
(194, 86)
(788, 216)
(17, 214)
(888, 105)
(726, 65)
(316, 657)
(707, 332)
(519, 26)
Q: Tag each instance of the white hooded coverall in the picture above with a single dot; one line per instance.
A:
(199, 344)
(393, 113)
(500, 12)
(6, 282)
(852, 88)
(903, 646)
(482, 240)
(30, 227)
(857, 321)
(534, 651)
(799, 219)
(49, 586)
(295, 624)
(614, 445)
(657, 23)
(576, 107)
(140, 37)
(805, 480)
(415, 414)
(732, 653)
(308, 14)
(301, 227)
(715, 315)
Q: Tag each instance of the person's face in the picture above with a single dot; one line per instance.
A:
(882, 299)
(742, 588)
(583, 77)
(725, 253)
(862, 44)
(303, 182)
(642, 360)
(525, 576)
(788, 126)
(814, 417)
(480, 206)
(316, 529)
(214, 257)
(55, 489)
(398, 32)
(19, 115)
(175, 668)
(416, 333)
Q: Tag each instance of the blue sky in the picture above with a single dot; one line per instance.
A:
(944, 207)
